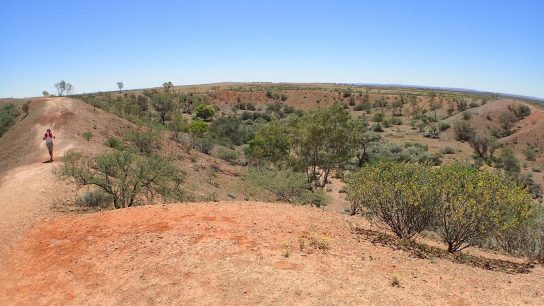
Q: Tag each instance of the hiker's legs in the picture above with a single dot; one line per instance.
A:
(50, 149)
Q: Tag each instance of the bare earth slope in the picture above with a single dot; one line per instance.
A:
(233, 254)
(28, 186)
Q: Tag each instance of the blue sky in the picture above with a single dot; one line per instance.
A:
(487, 45)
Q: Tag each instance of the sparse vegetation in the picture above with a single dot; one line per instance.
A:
(87, 135)
(8, 114)
(130, 179)
(114, 143)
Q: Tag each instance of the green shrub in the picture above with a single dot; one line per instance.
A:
(463, 131)
(87, 135)
(398, 194)
(26, 107)
(447, 150)
(228, 155)
(509, 162)
(378, 117)
(231, 130)
(8, 113)
(396, 121)
(145, 141)
(95, 199)
(463, 205)
(520, 111)
(474, 206)
(114, 143)
(443, 126)
(130, 179)
(377, 128)
(411, 152)
(286, 185)
(362, 107)
(205, 112)
(530, 153)
(387, 123)
(467, 115)
(178, 126)
(204, 145)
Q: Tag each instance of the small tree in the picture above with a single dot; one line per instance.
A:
(480, 144)
(45, 93)
(69, 89)
(130, 179)
(61, 87)
(163, 105)
(120, 85)
(167, 86)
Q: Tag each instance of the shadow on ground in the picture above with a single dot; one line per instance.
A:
(423, 251)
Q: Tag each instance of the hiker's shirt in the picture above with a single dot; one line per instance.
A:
(48, 137)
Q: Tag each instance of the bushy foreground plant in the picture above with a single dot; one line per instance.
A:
(474, 205)
(129, 178)
(398, 194)
(463, 205)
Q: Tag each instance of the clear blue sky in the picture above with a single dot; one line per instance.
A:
(487, 45)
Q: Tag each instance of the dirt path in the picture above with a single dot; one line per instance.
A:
(28, 186)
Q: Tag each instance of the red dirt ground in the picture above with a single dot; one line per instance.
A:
(237, 254)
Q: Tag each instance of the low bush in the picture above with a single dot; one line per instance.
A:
(447, 150)
(362, 107)
(443, 126)
(87, 135)
(8, 113)
(396, 121)
(130, 179)
(378, 117)
(146, 141)
(377, 128)
(464, 206)
(228, 155)
(474, 205)
(204, 145)
(114, 143)
(286, 185)
(94, 199)
(530, 153)
(463, 131)
(398, 194)
(411, 152)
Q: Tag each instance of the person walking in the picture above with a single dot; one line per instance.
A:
(48, 137)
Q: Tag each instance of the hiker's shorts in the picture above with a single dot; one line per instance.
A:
(49, 146)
